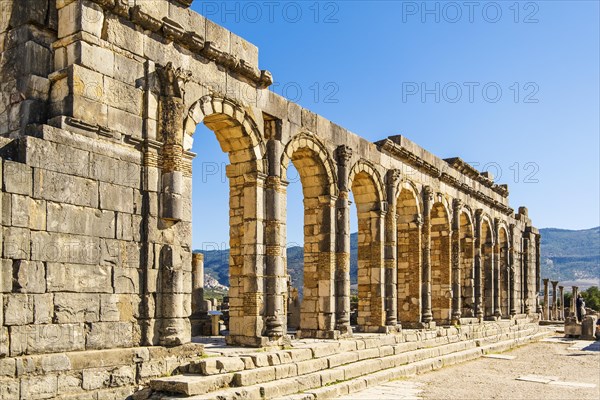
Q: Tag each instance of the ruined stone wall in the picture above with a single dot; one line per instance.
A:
(100, 100)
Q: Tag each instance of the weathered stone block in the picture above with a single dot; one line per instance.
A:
(109, 335)
(95, 379)
(10, 389)
(126, 280)
(76, 307)
(17, 178)
(80, 15)
(112, 170)
(123, 34)
(55, 156)
(78, 278)
(116, 198)
(61, 188)
(39, 339)
(123, 96)
(123, 376)
(218, 35)
(65, 218)
(125, 122)
(27, 212)
(18, 309)
(118, 308)
(64, 248)
(97, 58)
(43, 307)
(29, 277)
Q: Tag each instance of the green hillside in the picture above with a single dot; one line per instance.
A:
(572, 257)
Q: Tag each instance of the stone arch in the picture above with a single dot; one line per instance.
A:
(409, 222)
(441, 283)
(467, 262)
(367, 188)
(237, 132)
(239, 136)
(315, 168)
(311, 143)
(504, 269)
(487, 263)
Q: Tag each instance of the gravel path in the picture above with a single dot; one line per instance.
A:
(572, 365)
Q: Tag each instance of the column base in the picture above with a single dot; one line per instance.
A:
(318, 334)
(373, 329)
(468, 321)
(175, 332)
(419, 325)
(262, 341)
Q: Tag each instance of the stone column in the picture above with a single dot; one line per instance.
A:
(546, 314)
(554, 301)
(478, 267)
(526, 284)
(197, 283)
(538, 308)
(171, 297)
(427, 315)
(391, 249)
(574, 293)
(275, 276)
(456, 270)
(561, 296)
(342, 243)
(496, 274)
(511, 272)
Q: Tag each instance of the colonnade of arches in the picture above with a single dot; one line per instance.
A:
(422, 256)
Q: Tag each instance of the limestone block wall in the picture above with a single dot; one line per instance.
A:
(97, 126)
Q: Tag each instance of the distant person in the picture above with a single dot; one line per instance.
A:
(580, 308)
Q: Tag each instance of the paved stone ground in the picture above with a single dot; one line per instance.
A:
(571, 369)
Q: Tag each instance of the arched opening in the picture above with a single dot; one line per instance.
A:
(467, 266)
(441, 289)
(503, 270)
(409, 257)
(487, 262)
(238, 137)
(317, 308)
(367, 198)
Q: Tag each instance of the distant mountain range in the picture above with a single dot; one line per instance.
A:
(572, 257)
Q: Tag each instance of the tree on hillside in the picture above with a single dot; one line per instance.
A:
(592, 297)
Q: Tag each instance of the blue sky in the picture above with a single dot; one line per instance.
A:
(512, 87)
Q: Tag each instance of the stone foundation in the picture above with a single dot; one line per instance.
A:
(105, 374)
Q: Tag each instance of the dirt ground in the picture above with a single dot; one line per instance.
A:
(569, 363)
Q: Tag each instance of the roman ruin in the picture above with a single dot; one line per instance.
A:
(100, 100)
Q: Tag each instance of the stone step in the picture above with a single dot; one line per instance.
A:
(326, 363)
(313, 373)
(405, 371)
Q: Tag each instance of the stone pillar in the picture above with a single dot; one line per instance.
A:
(526, 279)
(561, 296)
(497, 273)
(427, 315)
(478, 266)
(342, 243)
(538, 276)
(554, 301)
(175, 325)
(275, 276)
(574, 293)
(511, 273)
(391, 249)
(197, 283)
(546, 313)
(456, 270)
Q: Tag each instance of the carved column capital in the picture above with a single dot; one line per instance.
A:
(343, 154)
